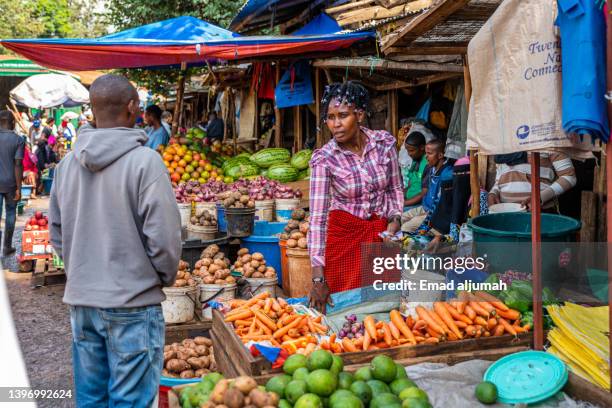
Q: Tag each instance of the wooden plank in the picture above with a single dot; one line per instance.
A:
(297, 128)
(429, 50)
(379, 12)
(588, 216)
(378, 64)
(348, 6)
(393, 110)
(300, 18)
(224, 362)
(319, 136)
(582, 390)
(394, 85)
(483, 167)
(178, 105)
(426, 21)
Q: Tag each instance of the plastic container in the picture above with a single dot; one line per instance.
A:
(192, 249)
(201, 232)
(264, 210)
(506, 208)
(265, 240)
(210, 207)
(284, 282)
(284, 207)
(26, 191)
(47, 184)
(240, 221)
(20, 207)
(185, 211)
(221, 222)
(299, 272)
(180, 303)
(260, 285)
(219, 293)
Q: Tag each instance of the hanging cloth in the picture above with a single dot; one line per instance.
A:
(456, 136)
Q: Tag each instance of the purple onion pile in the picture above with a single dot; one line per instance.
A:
(351, 328)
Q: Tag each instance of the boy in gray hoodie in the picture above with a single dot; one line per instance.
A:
(114, 220)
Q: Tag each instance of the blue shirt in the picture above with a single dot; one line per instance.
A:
(157, 137)
(583, 41)
(430, 200)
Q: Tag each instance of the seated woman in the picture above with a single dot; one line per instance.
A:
(30, 170)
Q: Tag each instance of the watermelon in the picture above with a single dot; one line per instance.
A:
(268, 157)
(244, 154)
(242, 170)
(282, 172)
(300, 159)
(234, 161)
(304, 174)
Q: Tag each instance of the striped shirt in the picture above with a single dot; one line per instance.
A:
(513, 183)
(362, 186)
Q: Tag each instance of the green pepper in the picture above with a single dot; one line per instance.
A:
(515, 300)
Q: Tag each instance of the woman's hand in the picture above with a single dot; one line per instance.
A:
(319, 296)
(393, 226)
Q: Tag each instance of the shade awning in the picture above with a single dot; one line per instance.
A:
(49, 91)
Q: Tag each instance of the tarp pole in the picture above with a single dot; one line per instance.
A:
(474, 183)
(178, 105)
(609, 176)
(536, 252)
(278, 125)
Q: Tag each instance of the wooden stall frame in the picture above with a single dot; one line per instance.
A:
(609, 176)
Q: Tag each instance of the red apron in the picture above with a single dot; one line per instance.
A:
(345, 236)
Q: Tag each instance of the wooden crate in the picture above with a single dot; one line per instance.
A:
(45, 273)
(245, 364)
(176, 332)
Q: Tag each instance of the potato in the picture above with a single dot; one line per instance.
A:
(258, 256)
(248, 274)
(191, 282)
(233, 398)
(230, 279)
(257, 275)
(219, 255)
(201, 372)
(219, 262)
(283, 236)
(188, 374)
(180, 275)
(270, 269)
(206, 261)
(214, 248)
(201, 350)
(169, 355)
(168, 347)
(203, 341)
(245, 384)
(296, 235)
(243, 251)
(245, 259)
(238, 264)
(298, 214)
(260, 398)
(219, 282)
(214, 268)
(302, 243)
(195, 362)
(219, 391)
(269, 275)
(209, 280)
(182, 354)
(177, 365)
(180, 283)
(262, 268)
(175, 346)
(168, 374)
(291, 243)
(255, 264)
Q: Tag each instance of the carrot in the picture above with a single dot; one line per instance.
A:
(379, 325)
(481, 321)
(419, 339)
(398, 321)
(276, 306)
(280, 332)
(432, 340)
(239, 316)
(486, 334)
(268, 305)
(370, 326)
(263, 326)
(348, 345)
(394, 331)
(252, 327)
(438, 320)
(469, 312)
(256, 337)
(456, 315)
(461, 325)
(419, 325)
(487, 306)
(492, 300)
(478, 333)
(445, 315)
(310, 325)
(431, 323)
(518, 329)
(366, 340)
(293, 333)
(372, 347)
(282, 302)
(261, 316)
(434, 333)
(507, 326)
(459, 305)
(358, 342)
(527, 327)
(236, 303)
(470, 330)
(417, 333)
(452, 336)
(382, 344)
(499, 330)
(324, 345)
(479, 309)
(242, 322)
(510, 314)
(387, 336)
(410, 321)
(335, 347)
(332, 338)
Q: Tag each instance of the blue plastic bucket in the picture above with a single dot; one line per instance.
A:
(26, 191)
(265, 241)
(221, 218)
(47, 184)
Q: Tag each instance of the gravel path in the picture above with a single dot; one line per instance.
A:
(42, 323)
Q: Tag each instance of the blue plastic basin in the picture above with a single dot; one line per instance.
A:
(265, 241)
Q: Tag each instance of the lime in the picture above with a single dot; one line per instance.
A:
(337, 364)
(347, 402)
(214, 377)
(339, 394)
(301, 373)
(294, 362)
(486, 392)
(345, 380)
(284, 404)
(413, 392)
(319, 359)
(309, 401)
(295, 389)
(386, 400)
(383, 368)
(401, 372)
(322, 382)
(363, 374)
(362, 390)
(398, 386)
(277, 384)
(378, 387)
(415, 403)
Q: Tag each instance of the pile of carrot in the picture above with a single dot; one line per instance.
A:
(264, 318)
(472, 315)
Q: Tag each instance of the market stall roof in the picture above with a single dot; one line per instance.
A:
(172, 42)
(11, 66)
(256, 14)
(49, 91)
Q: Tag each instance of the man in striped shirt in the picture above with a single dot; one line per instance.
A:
(513, 178)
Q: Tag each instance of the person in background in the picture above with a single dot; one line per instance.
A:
(11, 174)
(415, 182)
(35, 131)
(157, 133)
(51, 124)
(513, 179)
(45, 157)
(166, 121)
(355, 191)
(68, 132)
(30, 170)
(114, 221)
(440, 170)
(215, 127)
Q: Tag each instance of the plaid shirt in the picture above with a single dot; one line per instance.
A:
(341, 180)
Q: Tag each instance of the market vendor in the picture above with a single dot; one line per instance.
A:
(513, 179)
(355, 192)
(415, 181)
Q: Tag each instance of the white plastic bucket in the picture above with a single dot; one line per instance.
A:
(506, 208)
(260, 285)
(211, 207)
(180, 303)
(264, 210)
(285, 206)
(220, 293)
(185, 211)
(410, 299)
(201, 232)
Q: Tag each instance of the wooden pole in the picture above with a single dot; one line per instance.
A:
(178, 105)
(278, 125)
(609, 176)
(536, 253)
(474, 182)
(297, 128)
(319, 136)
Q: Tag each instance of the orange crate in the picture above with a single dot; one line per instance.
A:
(35, 243)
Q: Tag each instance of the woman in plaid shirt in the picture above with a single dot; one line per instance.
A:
(355, 192)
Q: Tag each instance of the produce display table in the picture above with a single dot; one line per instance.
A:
(45, 273)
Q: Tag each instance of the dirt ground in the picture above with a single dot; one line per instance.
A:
(42, 323)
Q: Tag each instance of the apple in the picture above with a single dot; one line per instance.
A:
(38, 215)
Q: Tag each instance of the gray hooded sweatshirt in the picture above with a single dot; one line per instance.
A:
(114, 220)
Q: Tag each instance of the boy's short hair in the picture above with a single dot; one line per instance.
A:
(437, 144)
(416, 139)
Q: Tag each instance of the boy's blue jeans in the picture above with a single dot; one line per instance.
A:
(117, 355)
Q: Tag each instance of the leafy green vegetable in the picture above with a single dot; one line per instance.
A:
(515, 300)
